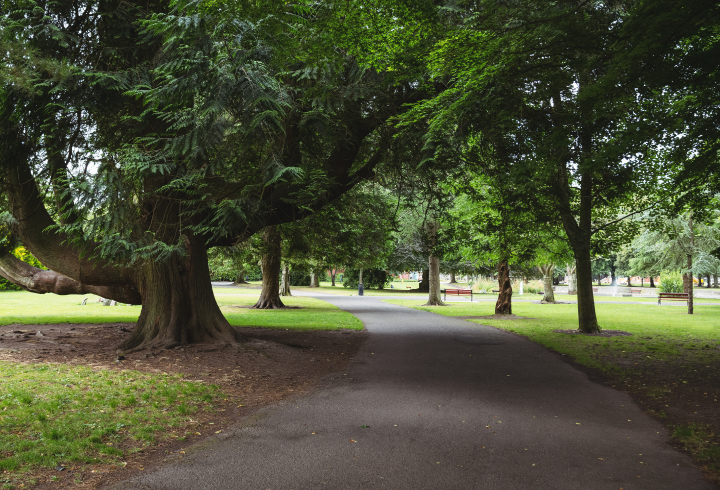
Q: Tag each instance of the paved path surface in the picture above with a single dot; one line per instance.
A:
(439, 403)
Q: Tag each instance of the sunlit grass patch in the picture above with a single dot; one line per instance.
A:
(311, 314)
(57, 415)
(38, 309)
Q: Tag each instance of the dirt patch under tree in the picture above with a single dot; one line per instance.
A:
(273, 365)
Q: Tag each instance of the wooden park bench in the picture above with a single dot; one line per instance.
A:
(674, 297)
(637, 291)
(457, 292)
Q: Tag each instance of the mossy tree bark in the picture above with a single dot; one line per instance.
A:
(271, 258)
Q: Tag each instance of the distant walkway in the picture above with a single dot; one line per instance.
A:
(434, 402)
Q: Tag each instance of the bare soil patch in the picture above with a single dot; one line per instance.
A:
(604, 333)
(273, 365)
(495, 317)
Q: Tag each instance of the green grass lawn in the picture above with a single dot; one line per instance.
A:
(313, 314)
(27, 308)
(56, 415)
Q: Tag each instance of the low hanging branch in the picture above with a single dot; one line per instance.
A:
(41, 281)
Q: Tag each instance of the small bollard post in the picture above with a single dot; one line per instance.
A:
(360, 289)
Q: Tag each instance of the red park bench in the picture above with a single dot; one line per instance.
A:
(674, 297)
(457, 292)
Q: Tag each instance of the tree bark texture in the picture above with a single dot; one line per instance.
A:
(178, 303)
(548, 293)
(504, 301)
(271, 258)
(285, 282)
(314, 280)
(424, 285)
(453, 280)
(572, 279)
(434, 298)
(41, 281)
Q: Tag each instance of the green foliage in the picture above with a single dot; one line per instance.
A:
(372, 278)
(671, 282)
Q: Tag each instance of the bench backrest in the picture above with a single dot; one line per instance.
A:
(673, 295)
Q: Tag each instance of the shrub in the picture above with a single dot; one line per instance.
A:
(372, 278)
(671, 282)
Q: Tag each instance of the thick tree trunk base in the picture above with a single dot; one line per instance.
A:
(178, 305)
(269, 304)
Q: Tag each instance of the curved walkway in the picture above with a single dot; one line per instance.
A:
(434, 402)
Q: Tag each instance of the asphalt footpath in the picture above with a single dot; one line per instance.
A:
(434, 402)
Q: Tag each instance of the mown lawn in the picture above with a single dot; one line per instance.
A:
(670, 363)
(54, 416)
(26, 308)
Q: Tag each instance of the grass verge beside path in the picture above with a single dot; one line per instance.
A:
(26, 308)
(670, 363)
(310, 314)
(54, 416)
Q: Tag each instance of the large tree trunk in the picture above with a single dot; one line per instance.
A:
(434, 298)
(285, 282)
(504, 301)
(652, 282)
(572, 279)
(424, 286)
(453, 280)
(178, 303)
(548, 293)
(270, 294)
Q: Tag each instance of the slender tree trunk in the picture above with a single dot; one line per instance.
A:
(715, 280)
(453, 280)
(285, 283)
(572, 279)
(434, 298)
(629, 281)
(178, 305)
(240, 276)
(333, 273)
(689, 266)
(548, 272)
(424, 286)
(315, 280)
(504, 301)
(652, 282)
(579, 234)
(271, 258)
(613, 276)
